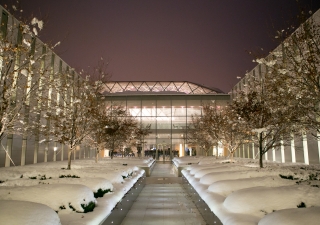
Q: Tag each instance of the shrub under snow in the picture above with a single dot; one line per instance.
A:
(27, 213)
(59, 197)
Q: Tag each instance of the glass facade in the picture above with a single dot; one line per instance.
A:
(169, 117)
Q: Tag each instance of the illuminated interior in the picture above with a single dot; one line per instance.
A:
(168, 113)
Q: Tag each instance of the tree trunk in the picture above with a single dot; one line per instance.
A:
(111, 154)
(231, 156)
(217, 150)
(69, 158)
(97, 155)
(260, 151)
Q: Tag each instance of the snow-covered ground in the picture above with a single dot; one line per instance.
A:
(241, 193)
(47, 193)
(237, 192)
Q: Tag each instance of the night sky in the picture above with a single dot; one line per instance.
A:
(203, 41)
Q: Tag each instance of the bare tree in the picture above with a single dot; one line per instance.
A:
(72, 122)
(97, 138)
(235, 133)
(111, 127)
(298, 63)
(198, 135)
(286, 99)
(24, 75)
(223, 127)
(212, 123)
(263, 116)
(140, 133)
(120, 129)
(81, 110)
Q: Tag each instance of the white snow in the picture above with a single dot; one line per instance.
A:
(54, 195)
(24, 72)
(26, 189)
(293, 217)
(240, 193)
(20, 212)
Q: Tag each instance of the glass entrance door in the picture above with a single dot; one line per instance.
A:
(164, 152)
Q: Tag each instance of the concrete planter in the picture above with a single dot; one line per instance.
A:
(120, 211)
(206, 213)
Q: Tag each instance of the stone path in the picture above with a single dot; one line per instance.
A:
(163, 201)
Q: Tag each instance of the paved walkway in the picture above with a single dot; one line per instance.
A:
(163, 201)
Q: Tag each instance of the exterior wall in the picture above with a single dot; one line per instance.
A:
(24, 149)
(302, 149)
(169, 116)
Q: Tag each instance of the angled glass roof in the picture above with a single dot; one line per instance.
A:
(157, 87)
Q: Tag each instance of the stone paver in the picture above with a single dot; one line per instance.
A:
(163, 201)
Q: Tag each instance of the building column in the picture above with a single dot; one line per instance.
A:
(62, 151)
(36, 150)
(55, 148)
(8, 150)
(283, 160)
(293, 150)
(253, 153)
(23, 150)
(46, 149)
(243, 151)
(318, 136)
(80, 149)
(24, 136)
(305, 148)
(265, 154)
(36, 143)
(273, 154)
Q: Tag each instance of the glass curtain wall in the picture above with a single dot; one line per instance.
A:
(169, 116)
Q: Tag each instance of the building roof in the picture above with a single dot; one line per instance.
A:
(157, 87)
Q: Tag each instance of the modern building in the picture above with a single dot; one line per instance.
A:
(168, 107)
(304, 148)
(42, 64)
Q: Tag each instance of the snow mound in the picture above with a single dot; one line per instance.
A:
(226, 187)
(309, 216)
(201, 173)
(186, 160)
(228, 175)
(259, 201)
(93, 183)
(196, 168)
(27, 213)
(56, 196)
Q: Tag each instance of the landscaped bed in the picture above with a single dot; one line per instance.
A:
(85, 194)
(240, 192)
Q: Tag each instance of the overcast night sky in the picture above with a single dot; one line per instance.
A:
(203, 41)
